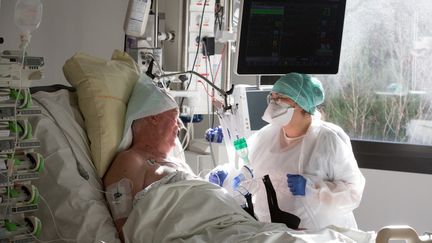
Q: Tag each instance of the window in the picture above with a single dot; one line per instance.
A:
(382, 93)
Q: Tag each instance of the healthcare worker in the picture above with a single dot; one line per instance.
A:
(309, 161)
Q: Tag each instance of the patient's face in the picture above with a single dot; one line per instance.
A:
(167, 129)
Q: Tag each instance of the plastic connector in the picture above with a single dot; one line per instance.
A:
(246, 173)
(225, 36)
(241, 148)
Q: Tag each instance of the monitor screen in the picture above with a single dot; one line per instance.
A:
(257, 104)
(282, 36)
(250, 103)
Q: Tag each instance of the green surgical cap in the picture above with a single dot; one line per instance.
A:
(303, 89)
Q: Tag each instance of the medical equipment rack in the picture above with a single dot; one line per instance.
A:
(20, 165)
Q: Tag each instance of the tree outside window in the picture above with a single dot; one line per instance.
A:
(383, 88)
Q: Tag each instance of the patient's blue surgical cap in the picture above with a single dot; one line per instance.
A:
(303, 89)
(146, 100)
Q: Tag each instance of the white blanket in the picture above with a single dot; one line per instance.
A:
(198, 211)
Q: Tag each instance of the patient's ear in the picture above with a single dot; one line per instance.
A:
(140, 123)
(134, 127)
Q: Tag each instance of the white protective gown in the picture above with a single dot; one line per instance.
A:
(324, 157)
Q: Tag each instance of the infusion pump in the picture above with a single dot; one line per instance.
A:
(20, 164)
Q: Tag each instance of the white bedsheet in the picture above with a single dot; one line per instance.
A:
(78, 207)
(198, 211)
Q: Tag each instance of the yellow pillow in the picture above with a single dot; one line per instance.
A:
(103, 89)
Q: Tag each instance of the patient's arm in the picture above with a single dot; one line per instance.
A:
(133, 166)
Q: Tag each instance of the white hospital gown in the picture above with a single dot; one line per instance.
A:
(324, 157)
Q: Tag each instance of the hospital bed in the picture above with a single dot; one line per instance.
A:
(73, 206)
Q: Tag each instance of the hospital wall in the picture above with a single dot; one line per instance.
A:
(95, 27)
(395, 198)
(91, 26)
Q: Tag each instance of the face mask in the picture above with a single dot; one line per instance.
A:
(277, 114)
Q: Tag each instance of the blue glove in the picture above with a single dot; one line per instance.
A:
(218, 176)
(296, 184)
(214, 135)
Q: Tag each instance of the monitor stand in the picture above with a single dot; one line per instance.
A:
(258, 81)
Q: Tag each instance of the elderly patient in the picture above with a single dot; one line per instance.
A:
(150, 134)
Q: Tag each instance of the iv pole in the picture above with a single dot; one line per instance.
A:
(228, 13)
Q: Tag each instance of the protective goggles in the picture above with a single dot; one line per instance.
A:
(274, 98)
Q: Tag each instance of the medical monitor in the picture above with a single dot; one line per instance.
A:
(250, 104)
(282, 36)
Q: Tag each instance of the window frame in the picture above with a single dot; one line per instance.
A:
(389, 156)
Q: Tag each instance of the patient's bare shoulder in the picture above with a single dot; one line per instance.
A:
(127, 164)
